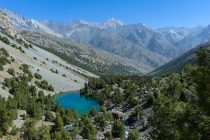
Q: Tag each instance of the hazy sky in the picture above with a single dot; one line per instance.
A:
(156, 13)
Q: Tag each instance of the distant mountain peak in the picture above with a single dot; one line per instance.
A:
(110, 23)
(28, 24)
(113, 21)
(80, 21)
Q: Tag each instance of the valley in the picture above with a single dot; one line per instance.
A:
(179, 63)
(102, 81)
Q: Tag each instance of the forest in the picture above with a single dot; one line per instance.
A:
(176, 106)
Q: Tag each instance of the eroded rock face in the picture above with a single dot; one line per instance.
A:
(5, 24)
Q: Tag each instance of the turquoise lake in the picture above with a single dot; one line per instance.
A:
(73, 100)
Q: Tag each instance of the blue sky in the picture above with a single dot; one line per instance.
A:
(156, 13)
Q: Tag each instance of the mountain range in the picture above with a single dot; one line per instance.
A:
(136, 48)
(62, 75)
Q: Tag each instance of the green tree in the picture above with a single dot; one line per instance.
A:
(202, 56)
(202, 78)
(61, 135)
(69, 116)
(37, 76)
(163, 118)
(11, 71)
(89, 132)
(7, 115)
(35, 110)
(108, 135)
(118, 130)
(138, 112)
(100, 120)
(29, 131)
(93, 112)
(134, 135)
(58, 123)
(50, 88)
(49, 116)
(118, 97)
(43, 133)
(33, 90)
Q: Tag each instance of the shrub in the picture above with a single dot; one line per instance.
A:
(14, 46)
(5, 40)
(13, 60)
(4, 52)
(11, 71)
(50, 88)
(19, 40)
(33, 90)
(54, 71)
(1, 67)
(37, 76)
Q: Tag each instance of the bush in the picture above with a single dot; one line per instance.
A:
(50, 88)
(54, 71)
(19, 40)
(1, 67)
(44, 84)
(33, 90)
(5, 40)
(26, 45)
(14, 46)
(24, 67)
(11, 71)
(13, 60)
(37, 76)
(4, 52)
(21, 49)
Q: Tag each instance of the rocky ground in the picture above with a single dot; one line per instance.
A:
(67, 77)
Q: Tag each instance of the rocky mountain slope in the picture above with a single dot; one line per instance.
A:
(59, 73)
(136, 47)
(153, 47)
(22, 23)
(94, 60)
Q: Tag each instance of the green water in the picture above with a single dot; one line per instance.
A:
(73, 100)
